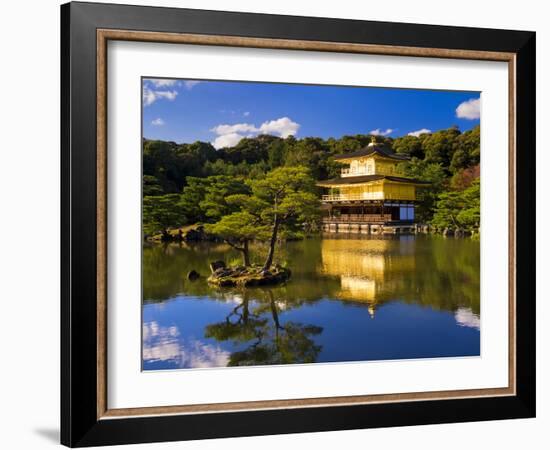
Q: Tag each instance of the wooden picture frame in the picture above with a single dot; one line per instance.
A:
(86, 419)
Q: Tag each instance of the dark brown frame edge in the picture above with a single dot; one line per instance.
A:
(79, 423)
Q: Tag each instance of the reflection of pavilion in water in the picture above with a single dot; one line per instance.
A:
(370, 270)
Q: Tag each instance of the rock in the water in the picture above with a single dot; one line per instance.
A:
(223, 272)
(215, 265)
(235, 276)
(421, 228)
(193, 234)
(193, 275)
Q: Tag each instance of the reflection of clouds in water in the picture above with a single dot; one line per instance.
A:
(228, 297)
(152, 330)
(466, 318)
(281, 305)
(162, 344)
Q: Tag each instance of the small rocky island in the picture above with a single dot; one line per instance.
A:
(250, 276)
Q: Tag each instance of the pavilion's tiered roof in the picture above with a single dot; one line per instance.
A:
(372, 150)
(363, 179)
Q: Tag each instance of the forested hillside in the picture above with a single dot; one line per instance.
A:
(187, 183)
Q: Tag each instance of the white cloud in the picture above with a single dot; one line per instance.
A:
(189, 84)
(150, 96)
(169, 95)
(227, 140)
(465, 317)
(157, 88)
(236, 128)
(157, 122)
(284, 127)
(469, 109)
(379, 132)
(229, 135)
(417, 133)
(168, 82)
(167, 345)
(161, 82)
(246, 113)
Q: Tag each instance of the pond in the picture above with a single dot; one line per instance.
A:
(350, 298)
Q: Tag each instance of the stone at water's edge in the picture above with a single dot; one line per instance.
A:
(193, 275)
(248, 277)
(215, 265)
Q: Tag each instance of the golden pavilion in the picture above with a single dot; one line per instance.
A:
(371, 195)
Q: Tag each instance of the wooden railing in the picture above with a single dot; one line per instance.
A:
(346, 197)
(368, 218)
(358, 172)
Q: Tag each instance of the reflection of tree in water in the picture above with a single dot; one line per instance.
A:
(165, 268)
(422, 270)
(272, 341)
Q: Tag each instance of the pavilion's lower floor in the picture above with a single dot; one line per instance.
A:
(369, 212)
(382, 217)
(370, 228)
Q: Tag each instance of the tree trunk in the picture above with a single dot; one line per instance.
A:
(246, 312)
(246, 254)
(244, 250)
(272, 243)
(275, 315)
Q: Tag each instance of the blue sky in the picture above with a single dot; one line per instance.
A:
(223, 112)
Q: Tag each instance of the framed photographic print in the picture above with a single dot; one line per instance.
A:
(276, 224)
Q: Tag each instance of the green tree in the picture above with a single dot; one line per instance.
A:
(460, 160)
(200, 151)
(193, 194)
(409, 145)
(251, 150)
(162, 212)
(466, 152)
(276, 152)
(238, 229)
(281, 202)
(160, 161)
(309, 152)
(204, 199)
(459, 209)
(216, 191)
(217, 167)
(285, 200)
(171, 163)
(151, 186)
(469, 142)
(469, 216)
(440, 146)
(348, 144)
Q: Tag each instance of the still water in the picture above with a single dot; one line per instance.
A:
(349, 299)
